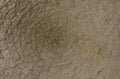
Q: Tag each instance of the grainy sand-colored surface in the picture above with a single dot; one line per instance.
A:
(59, 39)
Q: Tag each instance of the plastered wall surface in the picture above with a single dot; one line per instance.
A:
(59, 39)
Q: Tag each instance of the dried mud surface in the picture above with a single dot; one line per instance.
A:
(59, 39)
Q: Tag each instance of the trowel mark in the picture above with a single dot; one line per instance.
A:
(1, 55)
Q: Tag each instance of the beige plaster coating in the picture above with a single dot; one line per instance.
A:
(59, 39)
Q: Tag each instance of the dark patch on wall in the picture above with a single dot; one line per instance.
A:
(40, 26)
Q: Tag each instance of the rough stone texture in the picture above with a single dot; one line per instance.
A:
(59, 39)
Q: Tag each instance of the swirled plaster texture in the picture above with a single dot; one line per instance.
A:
(59, 39)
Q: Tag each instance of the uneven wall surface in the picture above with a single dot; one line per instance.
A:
(59, 39)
